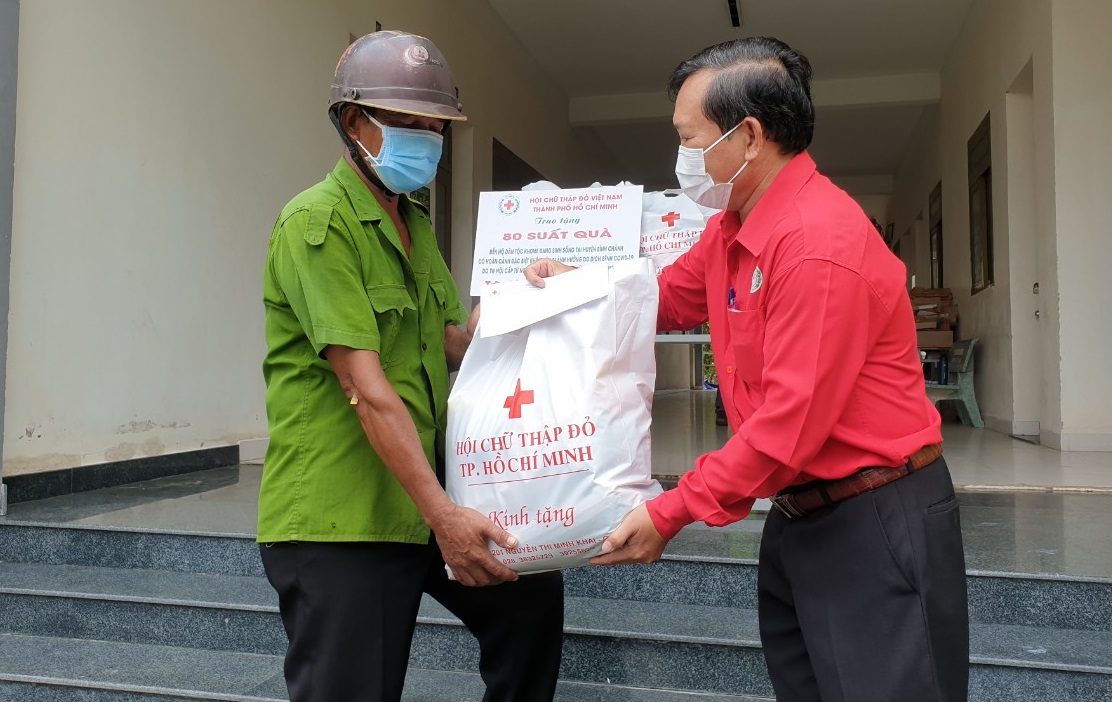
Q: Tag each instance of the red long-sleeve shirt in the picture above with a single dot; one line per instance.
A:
(814, 341)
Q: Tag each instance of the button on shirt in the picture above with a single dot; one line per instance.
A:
(811, 323)
(337, 274)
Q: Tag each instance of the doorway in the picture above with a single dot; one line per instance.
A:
(1023, 238)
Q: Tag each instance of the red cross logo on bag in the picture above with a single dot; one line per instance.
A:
(670, 219)
(520, 397)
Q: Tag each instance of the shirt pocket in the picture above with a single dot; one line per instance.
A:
(747, 333)
(389, 303)
(440, 297)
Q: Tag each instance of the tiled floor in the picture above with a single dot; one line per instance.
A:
(683, 429)
(1039, 528)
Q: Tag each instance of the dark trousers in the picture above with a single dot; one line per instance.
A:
(349, 610)
(865, 601)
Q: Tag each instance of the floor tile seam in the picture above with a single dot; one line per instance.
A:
(90, 684)
(690, 693)
(601, 686)
(1003, 628)
(238, 536)
(661, 637)
(1061, 489)
(138, 599)
(742, 642)
(1045, 577)
(692, 608)
(126, 644)
(1039, 665)
(725, 560)
(970, 572)
(204, 578)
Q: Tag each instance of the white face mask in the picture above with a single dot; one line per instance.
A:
(691, 172)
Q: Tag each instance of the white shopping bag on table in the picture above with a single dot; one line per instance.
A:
(671, 223)
(548, 420)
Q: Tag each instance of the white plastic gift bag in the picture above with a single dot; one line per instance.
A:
(671, 223)
(548, 420)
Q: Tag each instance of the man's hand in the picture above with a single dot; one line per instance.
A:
(636, 540)
(473, 320)
(462, 535)
(543, 268)
(457, 341)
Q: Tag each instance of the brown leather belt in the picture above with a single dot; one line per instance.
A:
(826, 493)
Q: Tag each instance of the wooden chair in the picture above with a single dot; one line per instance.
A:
(959, 386)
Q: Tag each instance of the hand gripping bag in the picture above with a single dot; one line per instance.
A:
(671, 223)
(548, 419)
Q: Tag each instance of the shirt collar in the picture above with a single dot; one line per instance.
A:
(367, 208)
(758, 227)
(365, 204)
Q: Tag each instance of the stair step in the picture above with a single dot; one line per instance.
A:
(636, 638)
(686, 623)
(109, 547)
(994, 598)
(627, 642)
(67, 665)
(138, 585)
(219, 612)
(43, 669)
(646, 621)
(1069, 603)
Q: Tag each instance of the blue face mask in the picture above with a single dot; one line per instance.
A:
(408, 158)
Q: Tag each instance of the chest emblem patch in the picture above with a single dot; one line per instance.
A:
(758, 281)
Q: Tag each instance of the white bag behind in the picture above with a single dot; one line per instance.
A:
(671, 223)
(548, 420)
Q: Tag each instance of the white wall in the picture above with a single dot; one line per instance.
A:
(155, 145)
(1000, 39)
(875, 206)
(1024, 236)
(914, 181)
(1083, 212)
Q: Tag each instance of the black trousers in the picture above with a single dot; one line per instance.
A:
(865, 601)
(350, 609)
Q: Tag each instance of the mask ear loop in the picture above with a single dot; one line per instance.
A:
(731, 180)
(719, 139)
(357, 159)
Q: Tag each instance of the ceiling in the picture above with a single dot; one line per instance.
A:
(876, 66)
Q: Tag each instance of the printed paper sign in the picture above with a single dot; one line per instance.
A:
(577, 227)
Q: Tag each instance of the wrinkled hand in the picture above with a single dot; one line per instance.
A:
(636, 540)
(543, 268)
(462, 535)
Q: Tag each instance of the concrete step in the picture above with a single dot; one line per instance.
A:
(710, 649)
(44, 669)
(50, 668)
(681, 577)
(108, 547)
(628, 642)
(994, 598)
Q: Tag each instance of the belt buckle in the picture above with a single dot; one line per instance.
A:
(784, 504)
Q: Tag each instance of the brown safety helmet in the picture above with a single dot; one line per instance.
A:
(396, 71)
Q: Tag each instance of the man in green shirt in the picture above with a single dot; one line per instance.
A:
(361, 329)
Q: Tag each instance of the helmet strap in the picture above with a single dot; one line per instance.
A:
(356, 157)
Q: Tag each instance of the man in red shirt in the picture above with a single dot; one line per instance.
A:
(861, 576)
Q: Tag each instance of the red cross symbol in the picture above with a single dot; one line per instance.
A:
(520, 397)
(670, 219)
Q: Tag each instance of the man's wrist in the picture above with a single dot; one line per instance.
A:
(669, 513)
